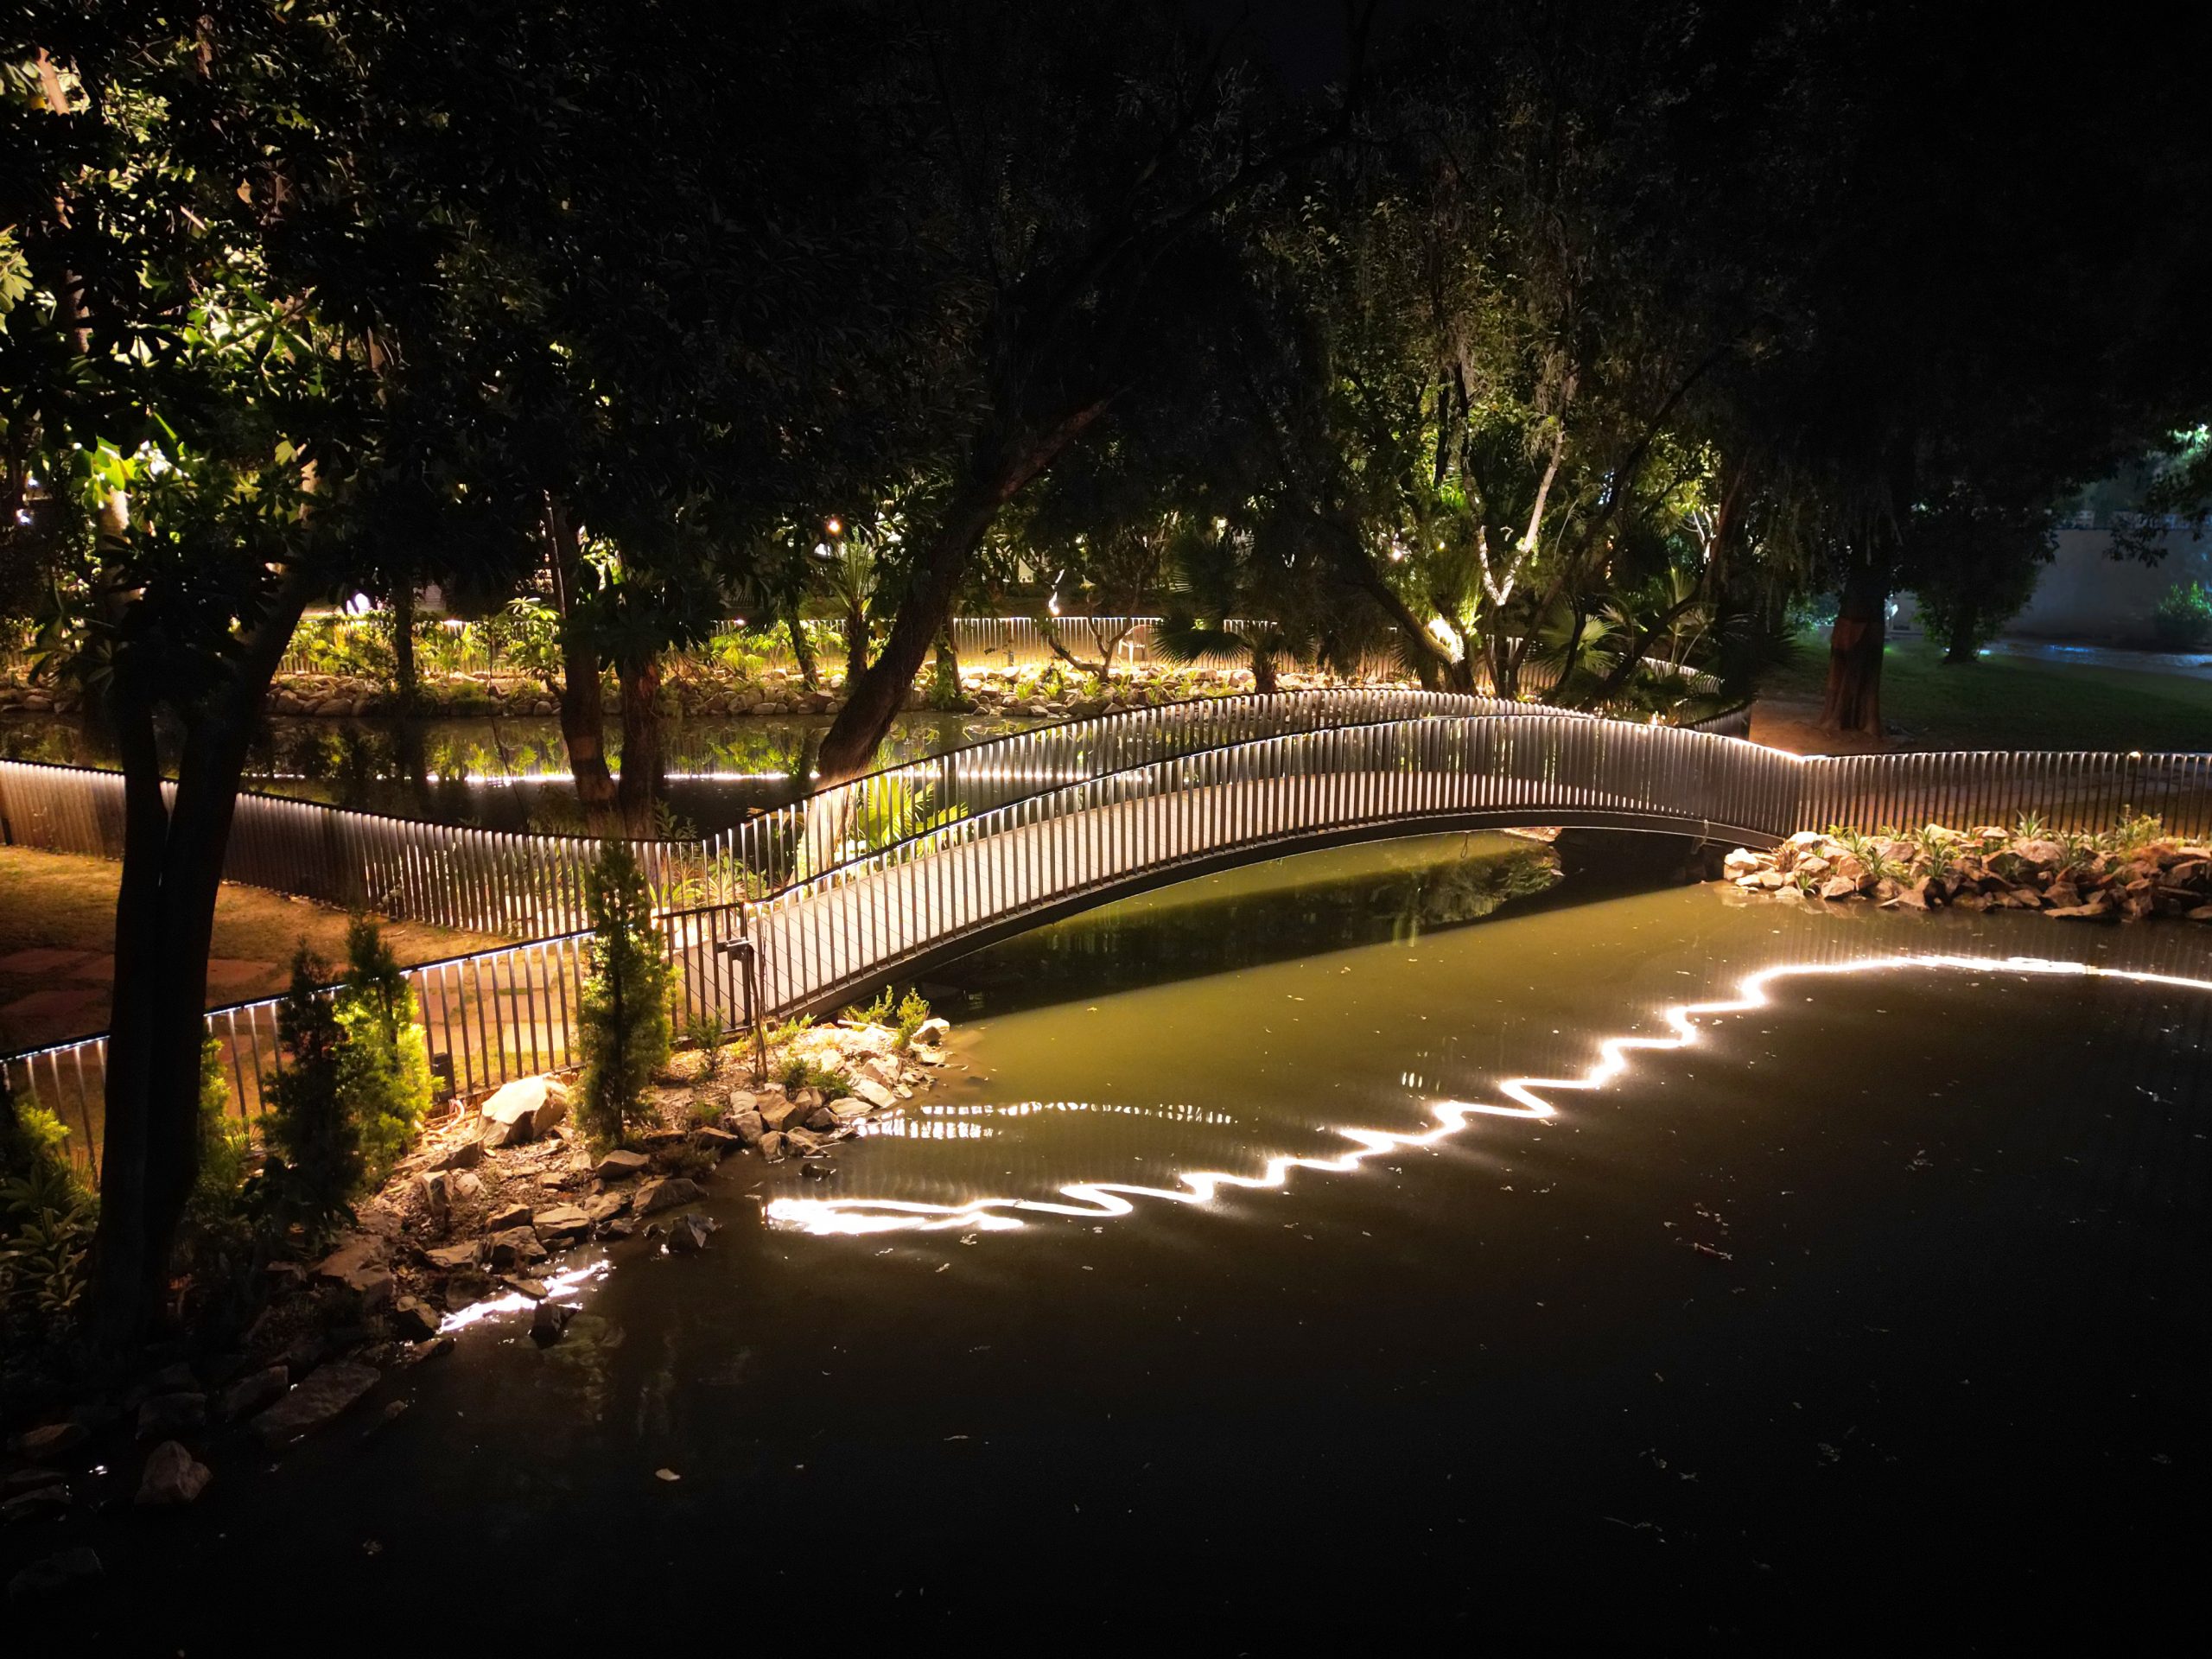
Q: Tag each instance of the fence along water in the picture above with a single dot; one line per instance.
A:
(849, 891)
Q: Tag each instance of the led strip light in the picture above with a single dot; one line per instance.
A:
(1099, 1200)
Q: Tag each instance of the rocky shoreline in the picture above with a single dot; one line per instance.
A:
(2132, 873)
(495, 1213)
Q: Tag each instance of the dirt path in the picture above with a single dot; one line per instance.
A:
(57, 969)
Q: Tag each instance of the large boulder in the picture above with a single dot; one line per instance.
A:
(251, 1393)
(359, 1266)
(172, 1478)
(522, 1111)
(563, 1223)
(51, 1441)
(621, 1164)
(874, 1093)
(656, 1195)
(326, 1393)
(688, 1235)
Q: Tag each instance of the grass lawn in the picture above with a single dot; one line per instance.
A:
(57, 922)
(2002, 702)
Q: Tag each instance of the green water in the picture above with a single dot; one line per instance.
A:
(1238, 1290)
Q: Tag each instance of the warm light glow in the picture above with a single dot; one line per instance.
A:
(1525, 1098)
(559, 1287)
(836, 527)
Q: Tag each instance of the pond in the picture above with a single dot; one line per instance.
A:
(1246, 1287)
(513, 774)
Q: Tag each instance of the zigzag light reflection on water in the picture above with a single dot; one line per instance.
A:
(1098, 1201)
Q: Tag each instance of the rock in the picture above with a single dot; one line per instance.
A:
(431, 1185)
(933, 1031)
(53, 1440)
(464, 1184)
(721, 1142)
(778, 1113)
(1915, 896)
(251, 1393)
(621, 1164)
(880, 1070)
(326, 1393)
(818, 1169)
(1839, 886)
(40, 1503)
(522, 1111)
(2097, 910)
(465, 1154)
(357, 1265)
(53, 1575)
(620, 1227)
(822, 1118)
(772, 1148)
(688, 1235)
(32, 1480)
(564, 1222)
(167, 1414)
(547, 1324)
(172, 1478)
(1742, 861)
(605, 1206)
(451, 1257)
(874, 1093)
(176, 1379)
(869, 1039)
(413, 1319)
(748, 1127)
(845, 1109)
(512, 1216)
(467, 1287)
(517, 1247)
(656, 1195)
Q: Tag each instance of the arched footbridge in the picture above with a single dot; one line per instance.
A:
(801, 907)
(857, 909)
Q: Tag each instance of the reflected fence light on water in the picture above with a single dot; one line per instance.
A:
(1526, 1098)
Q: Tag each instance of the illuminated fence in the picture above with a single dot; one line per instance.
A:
(863, 916)
(482, 881)
(874, 878)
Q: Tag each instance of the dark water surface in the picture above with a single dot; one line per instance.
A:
(1880, 1311)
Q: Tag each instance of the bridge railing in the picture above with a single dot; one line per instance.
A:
(827, 931)
(476, 880)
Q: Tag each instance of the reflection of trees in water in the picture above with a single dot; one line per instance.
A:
(1194, 931)
(1465, 888)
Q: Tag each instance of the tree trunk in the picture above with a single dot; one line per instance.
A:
(873, 700)
(403, 645)
(856, 644)
(1264, 673)
(644, 763)
(164, 925)
(1960, 647)
(583, 709)
(803, 651)
(1853, 703)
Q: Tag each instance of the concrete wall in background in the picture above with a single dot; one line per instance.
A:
(2084, 594)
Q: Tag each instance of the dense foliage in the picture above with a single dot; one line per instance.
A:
(624, 1023)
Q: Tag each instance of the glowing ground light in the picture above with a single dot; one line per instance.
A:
(1525, 1098)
